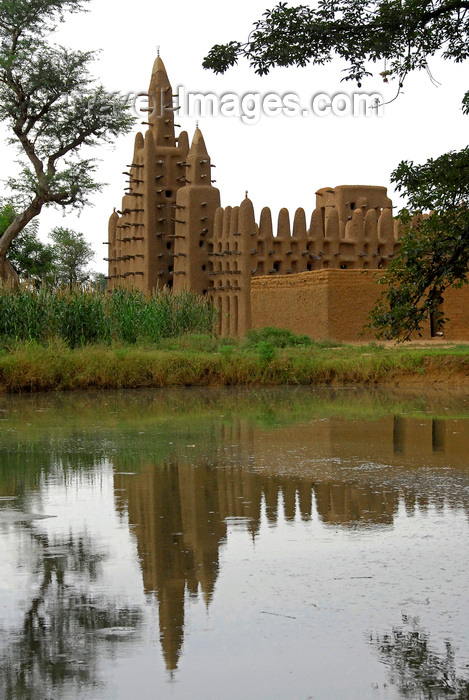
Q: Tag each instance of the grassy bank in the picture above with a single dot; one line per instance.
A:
(207, 361)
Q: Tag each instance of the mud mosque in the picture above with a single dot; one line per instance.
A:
(172, 232)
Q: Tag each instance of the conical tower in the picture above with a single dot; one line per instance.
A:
(160, 106)
(196, 204)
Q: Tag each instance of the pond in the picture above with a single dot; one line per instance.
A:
(275, 543)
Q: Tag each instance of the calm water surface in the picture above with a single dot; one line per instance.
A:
(290, 543)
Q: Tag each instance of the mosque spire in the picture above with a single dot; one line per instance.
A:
(160, 104)
(199, 161)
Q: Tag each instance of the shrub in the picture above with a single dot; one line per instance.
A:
(277, 337)
(266, 351)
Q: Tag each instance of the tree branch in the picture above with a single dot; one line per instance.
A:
(19, 223)
(78, 141)
(444, 9)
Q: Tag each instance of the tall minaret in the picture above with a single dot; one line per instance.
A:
(142, 251)
(196, 204)
(160, 106)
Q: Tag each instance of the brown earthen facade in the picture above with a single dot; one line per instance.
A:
(300, 274)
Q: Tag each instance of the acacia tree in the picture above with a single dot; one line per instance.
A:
(391, 38)
(53, 108)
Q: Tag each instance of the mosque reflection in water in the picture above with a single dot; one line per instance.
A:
(178, 492)
(180, 508)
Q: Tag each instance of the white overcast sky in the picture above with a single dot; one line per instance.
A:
(281, 160)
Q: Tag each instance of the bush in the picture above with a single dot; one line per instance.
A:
(266, 351)
(277, 337)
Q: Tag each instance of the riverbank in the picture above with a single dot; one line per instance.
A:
(205, 361)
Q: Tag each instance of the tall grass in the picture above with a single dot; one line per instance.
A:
(87, 316)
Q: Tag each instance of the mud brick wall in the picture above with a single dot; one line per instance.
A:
(323, 304)
(456, 308)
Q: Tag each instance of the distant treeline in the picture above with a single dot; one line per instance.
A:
(89, 316)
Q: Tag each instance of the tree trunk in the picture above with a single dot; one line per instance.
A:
(8, 274)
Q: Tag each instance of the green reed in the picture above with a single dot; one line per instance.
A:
(85, 316)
